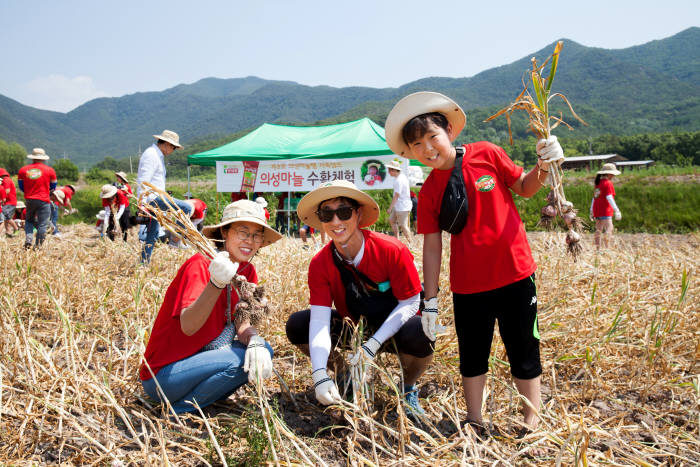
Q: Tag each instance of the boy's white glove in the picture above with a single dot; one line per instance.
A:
(367, 352)
(549, 151)
(258, 363)
(618, 215)
(428, 318)
(222, 270)
(324, 387)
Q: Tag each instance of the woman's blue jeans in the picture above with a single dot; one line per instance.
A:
(153, 227)
(205, 377)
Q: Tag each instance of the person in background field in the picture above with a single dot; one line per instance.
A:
(20, 214)
(263, 202)
(57, 198)
(100, 216)
(400, 208)
(281, 214)
(491, 266)
(199, 212)
(238, 195)
(152, 170)
(364, 274)
(36, 180)
(191, 351)
(8, 193)
(123, 183)
(603, 206)
(116, 219)
(414, 206)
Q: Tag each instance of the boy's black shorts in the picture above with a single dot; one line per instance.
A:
(410, 339)
(515, 308)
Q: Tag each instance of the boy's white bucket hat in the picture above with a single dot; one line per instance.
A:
(306, 210)
(243, 211)
(170, 137)
(38, 154)
(420, 103)
(608, 168)
(122, 175)
(261, 201)
(394, 164)
(60, 195)
(108, 191)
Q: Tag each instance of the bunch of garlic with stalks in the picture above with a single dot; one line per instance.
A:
(252, 304)
(537, 109)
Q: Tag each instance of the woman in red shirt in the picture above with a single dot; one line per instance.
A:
(603, 206)
(491, 265)
(191, 351)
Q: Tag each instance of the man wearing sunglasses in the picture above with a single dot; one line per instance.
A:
(360, 274)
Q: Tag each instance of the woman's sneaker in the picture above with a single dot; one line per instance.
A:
(412, 405)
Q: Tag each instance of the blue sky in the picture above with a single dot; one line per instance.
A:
(57, 55)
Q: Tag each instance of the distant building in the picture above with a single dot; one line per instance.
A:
(590, 162)
(632, 165)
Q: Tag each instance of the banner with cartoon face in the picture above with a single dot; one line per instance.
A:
(304, 174)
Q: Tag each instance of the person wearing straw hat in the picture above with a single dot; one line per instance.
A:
(400, 208)
(37, 180)
(123, 183)
(191, 350)
(263, 202)
(152, 170)
(491, 265)
(20, 214)
(116, 207)
(603, 206)
(58, 198)
(9, 204)
(364, 274)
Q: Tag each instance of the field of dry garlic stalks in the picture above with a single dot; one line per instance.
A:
(620, 349)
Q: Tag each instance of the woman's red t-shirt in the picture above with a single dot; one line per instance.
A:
(601, 206)
(492, 250)
(167, 343)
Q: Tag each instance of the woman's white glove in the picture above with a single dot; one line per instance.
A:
(366, 353)
(221, 270)
(258, 363)
(428, 318)
(324, 387)
(618, 215)
(549, 151)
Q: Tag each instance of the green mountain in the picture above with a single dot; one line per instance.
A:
(653, 87)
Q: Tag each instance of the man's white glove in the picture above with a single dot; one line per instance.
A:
(366, 353)
(258, 363)
(222, 270)
(66, 211)
(618, 215)
(325, 388)
(549, 151)
(428, 318)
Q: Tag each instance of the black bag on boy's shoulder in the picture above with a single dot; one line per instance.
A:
(454, 206)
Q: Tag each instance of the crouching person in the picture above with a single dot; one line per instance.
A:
(191, 351)
(363, 274)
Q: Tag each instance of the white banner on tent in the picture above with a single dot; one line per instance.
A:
(367, 173)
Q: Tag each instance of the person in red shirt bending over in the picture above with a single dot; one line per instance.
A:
(37, 180)
(367, 275)
(8, 193)
(192, 352)
(116, 207)
(199, 212)
(491, 266)
(603, 206)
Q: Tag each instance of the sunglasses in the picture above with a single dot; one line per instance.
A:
(343, 212)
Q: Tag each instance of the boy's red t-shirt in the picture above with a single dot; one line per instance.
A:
(385, 258)
(199, 207)
(66, 191)
(601, 206)
(167, 343)
(492, 250)
(121, 199)
(37, 179)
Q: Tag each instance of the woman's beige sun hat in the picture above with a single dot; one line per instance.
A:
(415, 104)
(608, 168)
(108, 191)
(122, 175)
(170, 137)
(306, 210)
(38, 154)
(243, 211)
(59, 195)
(394, 164)
(20, 205)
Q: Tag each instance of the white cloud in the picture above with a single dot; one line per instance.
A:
(58, 92)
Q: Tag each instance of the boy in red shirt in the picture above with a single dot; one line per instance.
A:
(364, 274)
(8, 194)
(123, 183)
(37, 180)
(603, 206)
(491, 266)
(199, 212)
(116, 207)
(191, 350)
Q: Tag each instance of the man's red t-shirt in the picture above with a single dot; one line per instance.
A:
(37, 179)
(601, 206)
(199, 208)
(492, 251)
(238, 195)
(121, 199)
(168, 343)
(385, 258)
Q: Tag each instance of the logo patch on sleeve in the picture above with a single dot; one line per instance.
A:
(485, 183)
